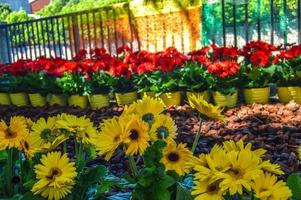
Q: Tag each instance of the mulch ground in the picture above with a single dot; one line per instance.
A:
(275, 127)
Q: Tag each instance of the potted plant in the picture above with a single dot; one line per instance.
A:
(75, 85)
(165, 85)
(36, 88)
(4, 89)
(17, 91)
(288, 74)
(224, 81)
(123, 85)
(99, 86)
(55, 94)
(258, 72)
(193, 80)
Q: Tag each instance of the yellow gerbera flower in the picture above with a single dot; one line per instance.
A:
(27, 121)
(244, 169)
(205, 190)
(267, 166)
(11, 135)
(82, 127)
(45, 136)
(176, 157)
(55, 176)
(215, 164)
(213, 112)
(164, 128)
(28, 148)
(147, 108)
(266, 187)
(136, 135)
(110, 137)
(231, 145)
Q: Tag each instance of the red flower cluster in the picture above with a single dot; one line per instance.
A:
(291, 53)
(225, 53)
(259, 53)
(99, 60)
(209, 54)
(223, 69)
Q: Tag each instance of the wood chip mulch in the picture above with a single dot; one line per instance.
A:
(275, 127)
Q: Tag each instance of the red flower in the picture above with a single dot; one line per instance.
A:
(260, 58)
(81, 54)
(124, 50)
(224, 69)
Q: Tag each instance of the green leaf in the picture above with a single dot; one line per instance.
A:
(294, 183)
(183, 193)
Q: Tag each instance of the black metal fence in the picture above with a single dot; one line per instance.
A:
(109, 28)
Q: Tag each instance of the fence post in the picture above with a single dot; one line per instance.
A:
(4, 44)
(76, 35)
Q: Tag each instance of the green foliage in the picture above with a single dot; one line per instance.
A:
(164, 81)
(19, 16)
(89, 177)
(122, 84)
(16, 83)
(153, 182)
(5, 10)
(294, 183)
(142, 82)
(74, 84)
(288, 72)
(100, 83)
(226, 85)
(193, 78)
(257, 77)
(37, 82)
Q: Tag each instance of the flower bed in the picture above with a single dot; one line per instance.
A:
(93, 78)
(138, 141)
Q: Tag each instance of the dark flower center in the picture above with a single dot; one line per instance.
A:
(162, 132)
(46, 134)
(26, 145)
(134, 134)
(116, 138)
(9, 134)
(212, 188)
(174, 157)
(54, 172)
(149, 118)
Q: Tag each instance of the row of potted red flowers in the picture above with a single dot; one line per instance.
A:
(219, 69)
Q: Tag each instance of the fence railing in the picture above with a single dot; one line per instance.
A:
(225, 22)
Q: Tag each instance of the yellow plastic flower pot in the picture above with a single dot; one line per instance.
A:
(77, 100)
(57, 99)
(295, 93)
(4, 99)
(205, 95)
(150, 94)
(99, 101)
(257, 95)
(284, 94)
(37, 100)
(19, 99)
(222, 100)
(126, 98)
(171, 98)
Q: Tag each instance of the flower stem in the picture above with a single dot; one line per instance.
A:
(133, 166)
(197, 136)
(10, 172)
(65, 147)
(21, 171)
